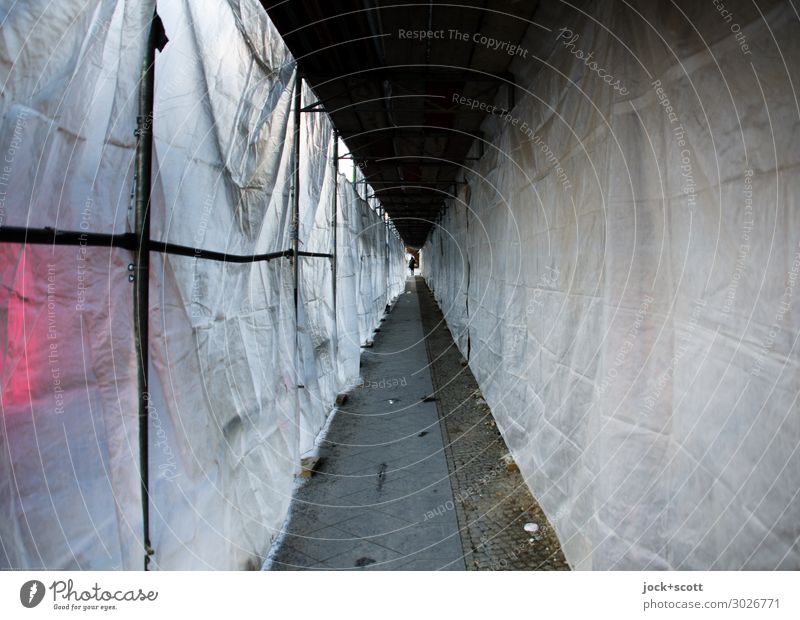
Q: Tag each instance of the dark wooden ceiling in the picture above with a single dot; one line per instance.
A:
(390, 97)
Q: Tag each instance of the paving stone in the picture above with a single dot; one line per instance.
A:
(493, 502)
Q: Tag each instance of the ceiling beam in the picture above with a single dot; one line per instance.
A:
(405, 73)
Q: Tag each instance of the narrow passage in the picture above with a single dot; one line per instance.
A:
(382, 496)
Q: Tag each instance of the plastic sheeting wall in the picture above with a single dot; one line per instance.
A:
(623, 275)
(226, 418)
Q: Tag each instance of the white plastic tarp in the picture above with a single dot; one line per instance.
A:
(69, 468)
(227, 418)
(623, 275)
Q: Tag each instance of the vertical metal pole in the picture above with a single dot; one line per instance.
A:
(141, 294)
(386, 245)
(335, 251)
(298, 102)
(335, 219)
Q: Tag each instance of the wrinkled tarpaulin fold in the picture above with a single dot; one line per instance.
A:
(223, 376)
(616, 272)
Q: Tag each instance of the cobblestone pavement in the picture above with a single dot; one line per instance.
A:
(491, 499)
(412, 477)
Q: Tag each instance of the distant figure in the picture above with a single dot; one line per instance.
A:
(411, 264)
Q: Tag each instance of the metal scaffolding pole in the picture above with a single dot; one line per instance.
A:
(298, 98)
(298, 104)
(386, 247)
(335, 218)
(141, 275)
(335, 252)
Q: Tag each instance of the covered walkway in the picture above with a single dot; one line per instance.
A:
(207, 212)
(387, 493)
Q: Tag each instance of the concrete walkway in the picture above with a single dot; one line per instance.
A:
(384, 472)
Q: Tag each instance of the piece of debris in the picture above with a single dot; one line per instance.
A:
(508, 461)
(381, 476)
(341, 399)
(463, 361)
(428, 399)
(308, 465)
(364, 561)
(367, 345)
(531, 528)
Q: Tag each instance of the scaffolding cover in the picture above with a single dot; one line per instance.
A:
(622, 273)
(238, 387)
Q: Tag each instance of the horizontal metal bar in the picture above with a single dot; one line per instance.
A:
(397, 207)
(404, 160)
(421, 132)
(182, 250)
(390, 201)
(314, 107)
(366, 160)
(398, 195)
(413, 183)
(356, 108)
(411, 74)
(128, 241)
(315, 255)
(51, 236)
